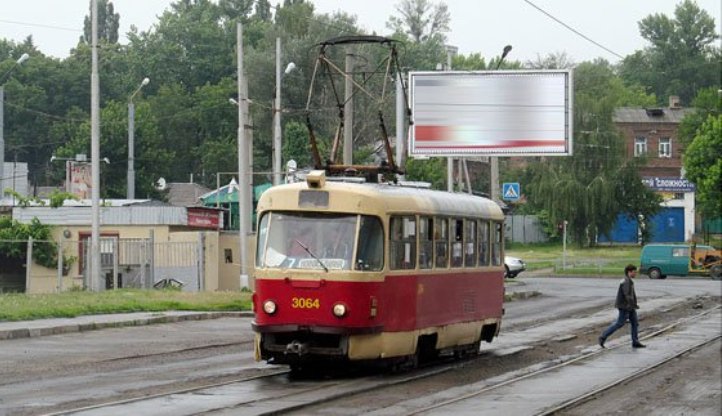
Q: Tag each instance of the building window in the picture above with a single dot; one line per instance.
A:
(665, 147)
(640, 146)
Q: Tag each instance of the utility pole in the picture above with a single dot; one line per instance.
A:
(450, 51)
(95, 154)
(22, 59)
(244, 186)
(400, 120)
(348, 113)
(277, 119)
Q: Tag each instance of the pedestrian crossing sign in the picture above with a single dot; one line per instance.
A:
(510, 191)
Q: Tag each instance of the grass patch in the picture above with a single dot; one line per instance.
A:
(19, 306)
(604, 260)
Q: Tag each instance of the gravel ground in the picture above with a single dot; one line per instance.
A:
(488, 366)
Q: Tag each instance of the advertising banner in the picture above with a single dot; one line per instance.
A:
(491, 113)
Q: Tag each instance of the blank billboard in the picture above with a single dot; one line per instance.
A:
(491, 113)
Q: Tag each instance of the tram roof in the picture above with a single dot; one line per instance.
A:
(384, 197)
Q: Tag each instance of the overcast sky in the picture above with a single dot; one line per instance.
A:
(481, 26)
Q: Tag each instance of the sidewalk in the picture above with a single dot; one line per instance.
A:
(43, 327)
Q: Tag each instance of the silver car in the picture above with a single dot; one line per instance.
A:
(513, 266)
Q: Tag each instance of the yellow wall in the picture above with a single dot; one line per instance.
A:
(218, 274)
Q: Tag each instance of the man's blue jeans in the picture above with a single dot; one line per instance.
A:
(623, 316)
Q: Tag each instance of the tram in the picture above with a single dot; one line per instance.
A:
(354, 272)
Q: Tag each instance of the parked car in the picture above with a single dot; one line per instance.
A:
(659, 260)
(513, 266)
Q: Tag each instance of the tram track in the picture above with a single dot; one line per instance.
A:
(442, 407)
(278, 393)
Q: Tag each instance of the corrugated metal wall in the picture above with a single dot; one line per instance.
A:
(524, 229)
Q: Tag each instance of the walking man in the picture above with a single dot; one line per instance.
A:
(627, 304)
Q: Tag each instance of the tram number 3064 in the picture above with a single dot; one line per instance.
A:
(305, 303)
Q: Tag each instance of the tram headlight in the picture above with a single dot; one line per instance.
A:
(339, 310)
(269, 307)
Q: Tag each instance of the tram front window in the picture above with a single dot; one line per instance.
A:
(307, 240)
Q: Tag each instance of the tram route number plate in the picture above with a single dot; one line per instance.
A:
(305, 303)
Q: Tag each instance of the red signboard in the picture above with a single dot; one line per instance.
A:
(204, 218)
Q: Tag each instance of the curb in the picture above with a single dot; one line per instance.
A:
(39, 331)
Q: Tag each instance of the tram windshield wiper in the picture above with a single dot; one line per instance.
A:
(312, 255)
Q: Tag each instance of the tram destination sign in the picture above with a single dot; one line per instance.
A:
(491, 113)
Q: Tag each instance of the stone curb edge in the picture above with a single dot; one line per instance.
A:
(91, 326)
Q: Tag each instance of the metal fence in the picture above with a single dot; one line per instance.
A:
(524, 229)
(124, 263)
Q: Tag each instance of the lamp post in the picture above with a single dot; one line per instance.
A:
(494, 160)
(450, 52)
(20, 60)
(277, 114)
(131, 140)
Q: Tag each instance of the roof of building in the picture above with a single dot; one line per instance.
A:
(185, 194)
(115, 215)
(650, 115)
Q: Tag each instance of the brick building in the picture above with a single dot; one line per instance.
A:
(652, 133)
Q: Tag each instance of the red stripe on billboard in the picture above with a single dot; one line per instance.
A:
(431, 133)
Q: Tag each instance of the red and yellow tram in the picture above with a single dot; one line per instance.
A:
(353, 271)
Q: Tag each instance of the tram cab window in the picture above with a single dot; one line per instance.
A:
(261, 239)
(457, 243)
(470, 243)
(302, 240)
(402, 244)
(441, 242)
(496, 244)
(370, 254)
(483, 242)
(426, 242)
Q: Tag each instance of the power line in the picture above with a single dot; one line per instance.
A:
(13, 22)
(573, 30)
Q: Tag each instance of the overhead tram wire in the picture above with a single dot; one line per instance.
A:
(573, 30)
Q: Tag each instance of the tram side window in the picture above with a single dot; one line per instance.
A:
(457, 243)
(402, 237)
(496, 244)
(483, 243)
(426, 242)
(441, 242)
(470, 243)
(370, 253)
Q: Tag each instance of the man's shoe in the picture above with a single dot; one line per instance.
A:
(601, 342)
(638, 345)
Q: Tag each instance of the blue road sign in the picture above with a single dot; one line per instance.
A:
(510, 191)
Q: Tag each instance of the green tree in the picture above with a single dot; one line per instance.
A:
(45, 252)
(703, 165)
(421, 19)
(432, 170)
(681, 58)
(584, 188)
(108, 24)
(557, 60)
(706, 103)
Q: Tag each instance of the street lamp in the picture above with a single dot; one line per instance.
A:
(22, 59)
(277, 114)
(131, 140)
(494, 160)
